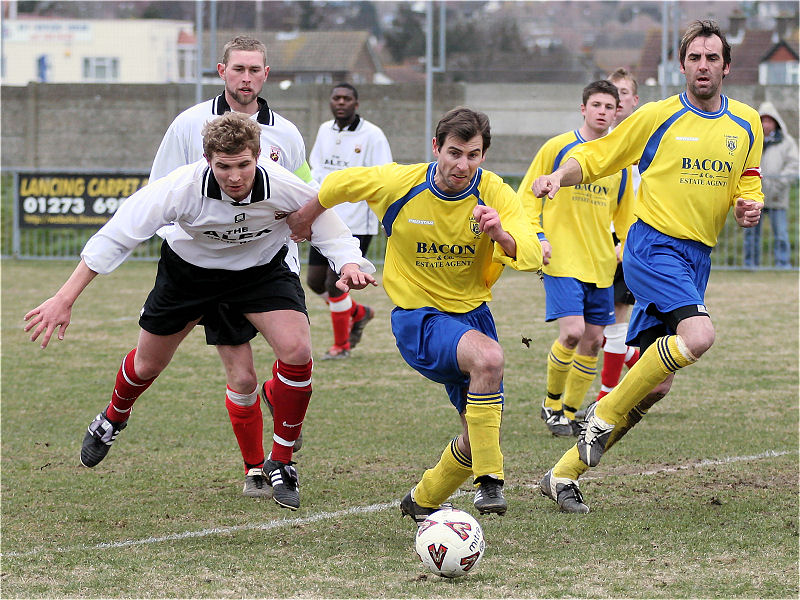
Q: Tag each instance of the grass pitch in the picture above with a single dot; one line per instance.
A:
(699, 500)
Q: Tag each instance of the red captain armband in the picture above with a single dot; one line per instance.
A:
(752, 172)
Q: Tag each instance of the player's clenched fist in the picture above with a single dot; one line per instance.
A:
(747, 212)
(546, 185)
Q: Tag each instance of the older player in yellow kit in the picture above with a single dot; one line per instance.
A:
(699, 155)
(451, 229)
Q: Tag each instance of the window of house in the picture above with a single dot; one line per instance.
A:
(326, 78)
(778, 73)
(187, 62)
(100, 68)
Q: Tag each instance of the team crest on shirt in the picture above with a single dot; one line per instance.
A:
(274, 153)
(238, 218)
(474, 227)
(732, 142)
(357, 149)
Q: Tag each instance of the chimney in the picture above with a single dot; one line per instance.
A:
(783, 24)
(736, 24)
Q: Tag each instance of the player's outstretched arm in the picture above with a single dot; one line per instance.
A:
(54, 313)
(352, 277)
(747, 212)
(300, 220)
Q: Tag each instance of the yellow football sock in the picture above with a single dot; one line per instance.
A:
(666, 355)
(440, 482)
(483, 414)
(558, 364)
(627, 423)
(570, 465)
(579, 380)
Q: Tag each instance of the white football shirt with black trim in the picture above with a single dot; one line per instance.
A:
(281, 141)
(362, 144)
(212, 230)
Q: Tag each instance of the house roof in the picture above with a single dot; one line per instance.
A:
(746, 57)
(650, 56)
(780, 52)
(756, 46)
(609, 59)
(310, 51)
(404, 73)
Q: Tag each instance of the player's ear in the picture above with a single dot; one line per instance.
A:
(221, 70)
(435, 148)
(266, 72)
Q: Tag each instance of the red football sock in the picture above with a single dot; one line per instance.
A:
(631, 356)
(357, 312)
(340, 318)
(127, 388)
(248, 426)
(290, 393)
(612, 368)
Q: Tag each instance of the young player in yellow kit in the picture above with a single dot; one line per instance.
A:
(699, 156)
(574, 228)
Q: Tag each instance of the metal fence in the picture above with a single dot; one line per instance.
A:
(65, 243)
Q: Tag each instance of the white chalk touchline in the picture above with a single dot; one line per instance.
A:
(356, 510)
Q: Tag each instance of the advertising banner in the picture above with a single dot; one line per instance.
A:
(73, 199)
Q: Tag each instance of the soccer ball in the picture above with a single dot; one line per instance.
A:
(450, 542)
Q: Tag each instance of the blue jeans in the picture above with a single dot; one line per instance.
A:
(780, 246)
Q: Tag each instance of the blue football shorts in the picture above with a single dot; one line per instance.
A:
(428, 340)
(567, 296)
(665, 274)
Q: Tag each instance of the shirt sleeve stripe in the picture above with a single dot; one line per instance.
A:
(655, 140)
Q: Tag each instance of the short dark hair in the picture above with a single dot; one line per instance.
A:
(705, 28)
(231, 133)
(347, 86)
(623, 73)
(601, 86)
(464, 123)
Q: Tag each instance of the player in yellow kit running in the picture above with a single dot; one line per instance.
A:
(451, 227)
(579, 257)
(699, 155)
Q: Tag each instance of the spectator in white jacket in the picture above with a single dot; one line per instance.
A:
(779, 171)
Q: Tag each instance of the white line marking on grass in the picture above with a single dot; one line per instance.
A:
(702, 463)
(357, 510)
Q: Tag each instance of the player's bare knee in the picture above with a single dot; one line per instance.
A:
(594, 344)
(569, 339)
(492, 362)
(243, 381)
(298, 352)
(696, 332)
(699, 340)
(147, 368)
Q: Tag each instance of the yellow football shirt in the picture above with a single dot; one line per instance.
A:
(435, 254)
(694, 164)
(577, 221)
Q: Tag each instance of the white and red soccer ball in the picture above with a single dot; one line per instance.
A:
(450, 543)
